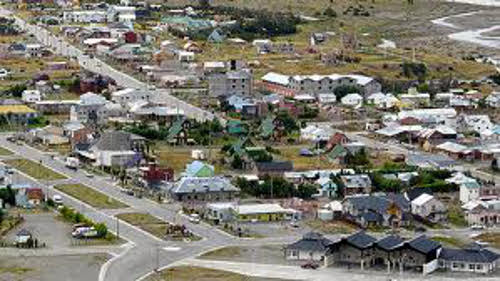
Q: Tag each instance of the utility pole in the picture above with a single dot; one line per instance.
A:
(117, 227)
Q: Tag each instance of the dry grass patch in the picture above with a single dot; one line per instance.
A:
(35, 170)
(90, 196)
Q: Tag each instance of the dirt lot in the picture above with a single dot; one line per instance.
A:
(191, 273)
(46, 228)
(54, 268)
(267, 254)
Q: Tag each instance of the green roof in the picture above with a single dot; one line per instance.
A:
(236, 127)
(267, 127)
(175, 129)
(336, 152)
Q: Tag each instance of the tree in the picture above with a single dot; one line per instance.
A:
(329, 12)
(204, 4)
(342, 91)
(306, 191)
(494, 165)
(2, 214)
(237, 163)
(101, 229)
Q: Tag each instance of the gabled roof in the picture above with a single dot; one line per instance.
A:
(471, 254)
(361, 240)
(311, 242)
(267, 127)
(390, 242)
(203, 184)
(274, 166)
(116, 141)
(199, 169)
(423, 245)
(175, 129)
(422, 199)
(337, 151)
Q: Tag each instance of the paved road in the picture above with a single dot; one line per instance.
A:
(60, 46)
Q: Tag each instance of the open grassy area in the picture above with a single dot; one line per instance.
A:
(5, 152)
(491, 237)
(90, 196)
(456, 215)
(191, 273)
(449, 241)
(300, 163)
(35, 170)
(146, 222)
(178, 157)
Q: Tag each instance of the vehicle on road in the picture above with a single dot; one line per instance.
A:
(88, 174)
(72, 163)
(4, 73)
(294, 224)
(310, 265)
(477, 227)
(84, 232)
(57, 199)
(194, 218)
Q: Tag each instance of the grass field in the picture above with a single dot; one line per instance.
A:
(330, 227)
(35, 170)
(301, 163)
(178, 157)
(491, 237)
(5, 152)
(191, 273)
(90, 196)
(146, 222)
(449, 241)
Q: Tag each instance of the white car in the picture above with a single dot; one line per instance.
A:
(88, 175)
(477, 227)
(57, 199)
(4, 73)
(194, 218)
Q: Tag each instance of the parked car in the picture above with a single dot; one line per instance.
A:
(88, 175)
(310, 265)
(194, 218)
(57, 199)
(477, 227)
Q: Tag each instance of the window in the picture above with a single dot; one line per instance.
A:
(479, 267)
(455, 265)
(471, 266)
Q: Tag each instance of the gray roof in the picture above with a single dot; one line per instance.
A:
(312, 242)
(361, 240)
(475, 255)
(390, 242)
(423, 244)
(199, 185)
(116, 141)
(274, 166)
(378, 204)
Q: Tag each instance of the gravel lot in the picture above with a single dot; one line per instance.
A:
(56, 268)
(267, 254)
(46, 228)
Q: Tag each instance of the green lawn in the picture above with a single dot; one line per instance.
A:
(90, 196)
(146, 222)
(35, 170)
(491, 237)
(5, 152)
(153, 225)
(449, 241)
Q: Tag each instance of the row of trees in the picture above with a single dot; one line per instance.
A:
(77, 217)
(275, 187)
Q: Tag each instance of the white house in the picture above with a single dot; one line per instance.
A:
(125, 14)
(469, 187)
(381, 100)
(85, 16)
(116, 149)
(33, 50)
(352, 99)
(129, 95)
(428, 207)
(473, 259)
(315, 132)
(493, 100)
(445, 116)
(31, 96)
(476, 123)
(185, 56)
(312, 247)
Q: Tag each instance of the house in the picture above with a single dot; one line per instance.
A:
(474, 258)
(17, 113)
(90, 109)
(178, 132)
(35, 196)
(192, 47)
(443, 116)
(381, 100)
(236, 127)
(354, 249)
(263, 213)
(474, 123)
(245, 105)
(152, 176)
(338, 154)
(482, 213)
(418, 252)
(185, 56)
(33, 50)
(124, 14)
(429, 208)
(318, 84)
(203, 189)
(371, 210)
(129, 95)
(274, 168)
(84, 16)
(31, 96)
(312, 247)
(469, 187)
(493, 100)
(317, 132)
(356, 184)
(454, 150)
(116, 149)
(328, 188)
(199, 169)
(220, 212)
(233, 82)
(352, 99)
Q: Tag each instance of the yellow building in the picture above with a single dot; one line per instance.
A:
(16, 113)
(263, 213)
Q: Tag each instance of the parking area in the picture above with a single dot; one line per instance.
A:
(52, 268)
(45, 227)
(275, 229)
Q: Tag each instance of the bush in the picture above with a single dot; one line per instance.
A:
(329, 12)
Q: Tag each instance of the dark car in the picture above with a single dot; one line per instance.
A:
(310, 265)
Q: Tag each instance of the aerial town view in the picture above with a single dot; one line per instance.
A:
(256, 140)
